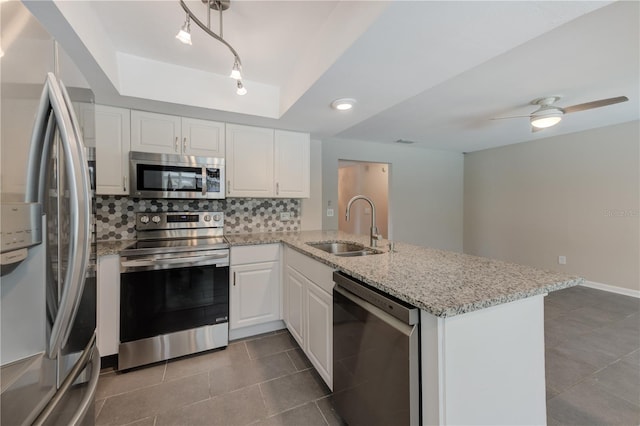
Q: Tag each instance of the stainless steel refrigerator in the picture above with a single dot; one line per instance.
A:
(48, 355)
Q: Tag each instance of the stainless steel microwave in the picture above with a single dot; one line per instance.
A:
(176, 176)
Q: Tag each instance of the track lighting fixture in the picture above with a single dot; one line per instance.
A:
(241, 89)
(185, 35)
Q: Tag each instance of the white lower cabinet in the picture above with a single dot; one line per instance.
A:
(108, 304)
(254, 297)
(308, 309)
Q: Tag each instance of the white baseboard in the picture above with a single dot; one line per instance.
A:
(612, 288)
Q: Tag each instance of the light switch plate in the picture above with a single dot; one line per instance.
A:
(329, 212)
(285, 215)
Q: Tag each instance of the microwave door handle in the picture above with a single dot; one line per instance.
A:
(79, 218)
(205, 186)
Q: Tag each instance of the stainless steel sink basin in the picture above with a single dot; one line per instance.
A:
(344, 249)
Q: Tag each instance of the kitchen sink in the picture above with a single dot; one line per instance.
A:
(344, 249)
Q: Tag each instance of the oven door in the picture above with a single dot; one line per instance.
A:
(172, 293)
(175, 176)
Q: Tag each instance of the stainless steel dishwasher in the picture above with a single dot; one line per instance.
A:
(376, 356)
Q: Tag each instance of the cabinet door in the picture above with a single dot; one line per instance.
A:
(319, 331)
(255, 295)
(108, 304)
(249, 161)
(291, 165)
(157, 133)
(294, 287)
(86, 117)
(112, 150)
(202, 138)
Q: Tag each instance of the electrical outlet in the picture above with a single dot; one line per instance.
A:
(562, 260)
(329, 212)
(285, 215)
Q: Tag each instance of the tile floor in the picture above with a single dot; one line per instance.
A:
(592, 362)
(265, 380)
(592, 358)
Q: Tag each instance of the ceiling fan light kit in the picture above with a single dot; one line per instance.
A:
(184, 35)
(549, 115)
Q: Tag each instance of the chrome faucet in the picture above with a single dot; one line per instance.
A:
(374, 230)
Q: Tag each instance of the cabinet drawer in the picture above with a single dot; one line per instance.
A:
(317, 272)
(253, 254)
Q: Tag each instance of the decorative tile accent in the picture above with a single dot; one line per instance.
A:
(115, 215)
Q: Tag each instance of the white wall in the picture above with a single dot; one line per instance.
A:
(576, 195)
(311, 219)
(425, 190)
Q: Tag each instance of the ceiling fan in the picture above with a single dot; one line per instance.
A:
(548, 114)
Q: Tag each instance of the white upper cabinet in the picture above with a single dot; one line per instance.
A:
(266, 163)
(170, 134)
(112, 150)
(291, 164)
(249, 161)
(86, 117)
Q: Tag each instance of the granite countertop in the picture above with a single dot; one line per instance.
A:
(442, 283)
(106, 248)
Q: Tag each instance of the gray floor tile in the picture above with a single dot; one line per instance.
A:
(98, 407)
(232, 355)
(615, 340)
(148, 421)
(270, 345)
(329, 413)
(551, 392)
(149, 401)
(552, 310)
(224, 379)
(622, 380)
(566, 327)
(115, 383)
(581, 348)
(590, 404)
(633, 358)
(562, 372)
(237, 408)
(307, 415)
(292, 390)
(299, 359)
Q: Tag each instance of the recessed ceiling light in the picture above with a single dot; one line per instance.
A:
(343, 104)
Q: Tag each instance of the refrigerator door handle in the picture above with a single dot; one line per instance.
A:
(80, 173)
(90, 357)
(54, 106)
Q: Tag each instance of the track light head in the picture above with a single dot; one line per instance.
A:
(241, 90)
(184, 35)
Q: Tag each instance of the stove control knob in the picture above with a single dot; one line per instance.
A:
(207, 218)
(144, 219)
(155, 219)
(217, 217)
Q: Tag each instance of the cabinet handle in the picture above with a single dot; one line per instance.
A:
(234, 278)
(228, 187)
(277, 188)
(177, 146)
(124, 183)
(184, 145)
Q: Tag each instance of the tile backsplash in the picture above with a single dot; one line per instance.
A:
(115, 215)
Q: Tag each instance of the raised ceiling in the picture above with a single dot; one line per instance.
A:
(431, 72)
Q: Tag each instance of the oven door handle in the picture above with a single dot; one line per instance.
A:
(172, 261)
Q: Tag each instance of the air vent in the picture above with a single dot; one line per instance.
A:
(404, 141)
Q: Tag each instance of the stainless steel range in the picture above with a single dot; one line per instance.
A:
(174, 288)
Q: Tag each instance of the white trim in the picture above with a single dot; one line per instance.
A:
(612, 289)
(254, 330)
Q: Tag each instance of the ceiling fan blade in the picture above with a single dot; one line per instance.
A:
(595, 104)
(513, 116)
